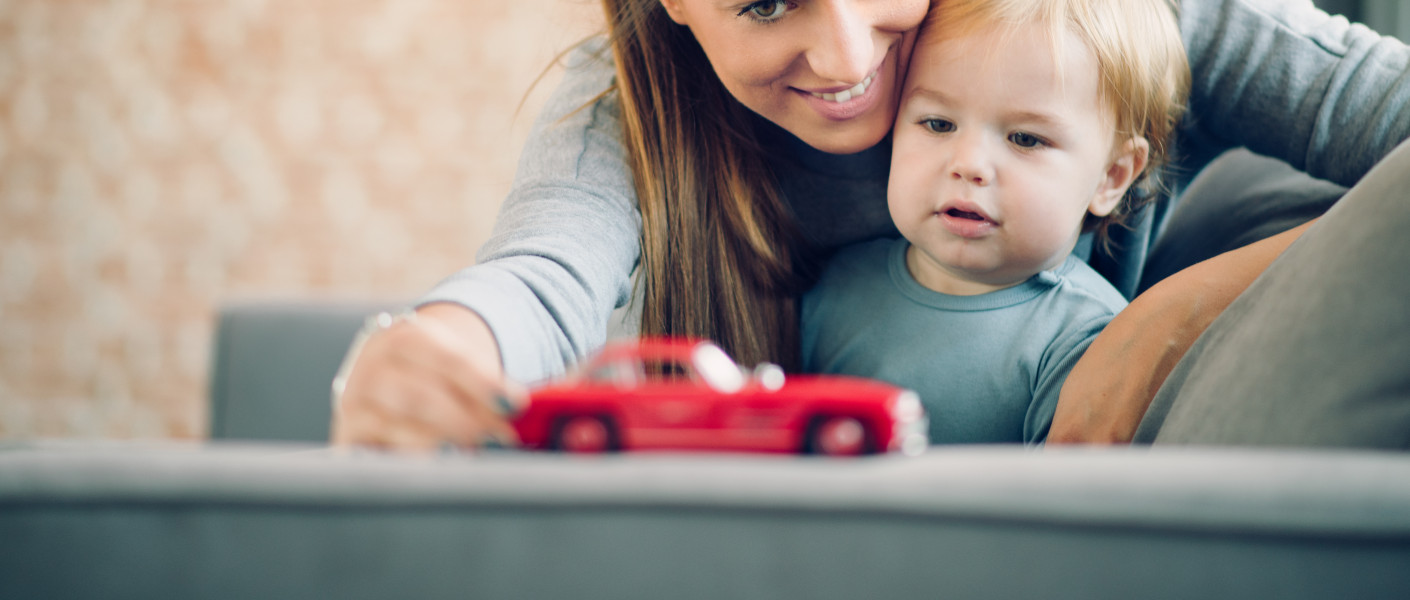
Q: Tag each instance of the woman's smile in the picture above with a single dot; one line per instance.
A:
(827, 71)
(847, 103)
(843, 95)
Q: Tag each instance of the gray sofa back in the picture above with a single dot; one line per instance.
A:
(273, 365)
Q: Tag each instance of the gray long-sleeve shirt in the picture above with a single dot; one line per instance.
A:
(1276, 76)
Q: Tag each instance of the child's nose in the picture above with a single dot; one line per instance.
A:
(971, 176)
(971, 163)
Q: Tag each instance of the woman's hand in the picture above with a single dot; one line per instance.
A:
(1110, 387)
(426, 382)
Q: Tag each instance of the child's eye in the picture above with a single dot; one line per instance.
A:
(938, 125)
(1025, 140)
(765, 10)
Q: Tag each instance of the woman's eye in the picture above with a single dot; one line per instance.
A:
(1025, 140)
(766, 10)
(938, 125)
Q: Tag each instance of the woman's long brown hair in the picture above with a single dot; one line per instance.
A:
(720, 256)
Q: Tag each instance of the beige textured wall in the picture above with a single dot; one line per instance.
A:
(158, 157)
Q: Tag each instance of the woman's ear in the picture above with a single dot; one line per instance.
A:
(1127, 162)
(673, 8)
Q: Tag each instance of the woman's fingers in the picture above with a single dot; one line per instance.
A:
(486, 401)
(431, 348)
(429, 405)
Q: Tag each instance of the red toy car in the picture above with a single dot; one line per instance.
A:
(678, 394)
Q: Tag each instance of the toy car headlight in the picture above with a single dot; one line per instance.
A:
(770, 376)
(907, 407)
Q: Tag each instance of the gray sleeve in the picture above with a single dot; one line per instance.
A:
(1286, 80)
(566, 240)
(1058, 361)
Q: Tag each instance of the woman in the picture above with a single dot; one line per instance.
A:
(751, 138)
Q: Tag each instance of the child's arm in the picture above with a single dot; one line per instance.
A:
(1109, 389)
(1060, 357)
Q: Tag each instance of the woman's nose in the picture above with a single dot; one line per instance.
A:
(843, 49)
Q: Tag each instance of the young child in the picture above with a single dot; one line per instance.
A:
(1023, 123)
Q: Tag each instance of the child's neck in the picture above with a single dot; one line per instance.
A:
(945, 281)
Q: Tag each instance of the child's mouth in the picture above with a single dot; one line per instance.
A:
(964, 214)
(970, 224)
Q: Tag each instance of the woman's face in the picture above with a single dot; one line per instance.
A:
(828, 71)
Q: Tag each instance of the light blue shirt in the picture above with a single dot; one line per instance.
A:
(988, 367)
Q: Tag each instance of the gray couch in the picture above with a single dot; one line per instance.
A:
(135, 521)
(234, 519)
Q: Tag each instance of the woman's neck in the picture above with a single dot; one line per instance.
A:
(872, 163)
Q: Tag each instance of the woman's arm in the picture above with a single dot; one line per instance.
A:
(1109, 389)
(1286, 80)
(559, 261)
(567, 237)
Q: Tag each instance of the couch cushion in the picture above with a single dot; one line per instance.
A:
(1316, 352)
(124, 521)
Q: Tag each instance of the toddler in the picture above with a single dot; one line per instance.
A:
(1023, 123)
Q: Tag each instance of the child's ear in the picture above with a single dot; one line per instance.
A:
(1127, 162)
(673, 9)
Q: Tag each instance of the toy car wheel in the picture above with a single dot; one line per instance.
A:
(584, 434)
(839, 436)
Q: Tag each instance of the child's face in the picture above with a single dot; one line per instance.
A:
(998, 157)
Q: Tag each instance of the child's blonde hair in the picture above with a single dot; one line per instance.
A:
(1143, 74)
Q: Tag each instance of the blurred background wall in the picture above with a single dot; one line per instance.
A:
(158, 157)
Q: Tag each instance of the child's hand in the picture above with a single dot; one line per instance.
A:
(1109, 389)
